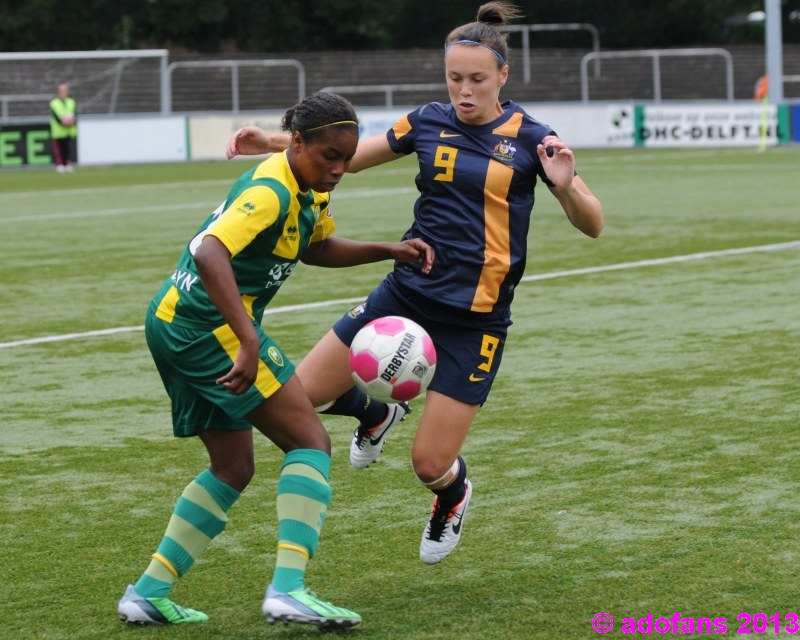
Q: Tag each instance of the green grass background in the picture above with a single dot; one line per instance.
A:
(638, 453)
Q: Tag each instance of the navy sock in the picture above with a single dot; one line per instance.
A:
(359, 405)
(453, 493)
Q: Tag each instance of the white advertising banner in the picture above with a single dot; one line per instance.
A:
(131, 140)
(208, 135)
(704, 125)
(593, 126)
(143, 139)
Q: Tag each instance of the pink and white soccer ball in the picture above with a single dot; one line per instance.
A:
(392, 359)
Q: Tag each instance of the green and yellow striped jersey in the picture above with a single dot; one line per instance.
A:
(266, 223)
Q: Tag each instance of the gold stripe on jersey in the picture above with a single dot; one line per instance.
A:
(166, 308)
(401, 127)
(510, 128)
(497, 250)
(266, 382)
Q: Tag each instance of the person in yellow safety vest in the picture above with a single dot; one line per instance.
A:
(63, 129)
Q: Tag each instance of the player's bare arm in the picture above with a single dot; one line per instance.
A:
(583, 209)
(253, 141)
(250, 141)
(214, 267)
(343, 252)
(371, 152)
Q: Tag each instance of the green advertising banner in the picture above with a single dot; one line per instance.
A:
(25, 144)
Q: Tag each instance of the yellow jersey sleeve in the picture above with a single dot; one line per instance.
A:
(256, 209)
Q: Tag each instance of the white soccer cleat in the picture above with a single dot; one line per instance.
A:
(367, 444)
(443, 530)
(304, 607)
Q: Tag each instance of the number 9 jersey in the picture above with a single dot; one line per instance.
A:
(476, 185)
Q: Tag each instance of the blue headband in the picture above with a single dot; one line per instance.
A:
(480, 44)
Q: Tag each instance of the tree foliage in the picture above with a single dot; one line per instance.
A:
(317, 25)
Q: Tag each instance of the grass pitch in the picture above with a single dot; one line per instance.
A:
(638, 454)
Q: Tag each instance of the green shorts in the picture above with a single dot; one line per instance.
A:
(191, 360)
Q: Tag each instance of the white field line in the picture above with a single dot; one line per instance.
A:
(185, 206)
(126, 190)
(705, 255)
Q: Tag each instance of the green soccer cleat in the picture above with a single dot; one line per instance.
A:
(303, 606)
(137, 609)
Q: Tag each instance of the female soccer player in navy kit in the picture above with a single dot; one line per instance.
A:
(225, 375)
(479, 161)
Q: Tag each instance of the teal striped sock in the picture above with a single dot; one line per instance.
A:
(303, 499)
(199, 516)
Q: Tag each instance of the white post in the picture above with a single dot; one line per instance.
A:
(774, 51)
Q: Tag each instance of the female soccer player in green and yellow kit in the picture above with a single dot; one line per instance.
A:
(225, 375)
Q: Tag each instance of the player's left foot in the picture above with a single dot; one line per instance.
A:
(304, 607)
(137, 609)
(443, 530)
(367, 443)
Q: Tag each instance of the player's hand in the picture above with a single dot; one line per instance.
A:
(249, 141)
(558, 161)
(415, 250)
(67, 120)
(243, 373)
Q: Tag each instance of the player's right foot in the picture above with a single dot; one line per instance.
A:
(443, 530)
(368, 443)
(137, 609)
(304, 607)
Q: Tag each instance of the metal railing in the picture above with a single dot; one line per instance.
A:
(525, 29)
(387, 89)
(234, 66)
(656, 55)
(5, 100)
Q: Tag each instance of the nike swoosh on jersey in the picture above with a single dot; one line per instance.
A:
(444, 134)
(474, 378)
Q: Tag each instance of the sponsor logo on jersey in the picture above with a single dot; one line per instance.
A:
(445, 134)
(184, 279)
(291, 233)
(247, 208)
(279, 273)
(275, 356)
(504, 151)
(357, 310)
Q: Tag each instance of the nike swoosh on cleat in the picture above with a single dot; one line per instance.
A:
(457, 525)
(474, 378)
(444, 134)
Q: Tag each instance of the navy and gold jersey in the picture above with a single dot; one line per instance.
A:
(266, 223)
(476, 187)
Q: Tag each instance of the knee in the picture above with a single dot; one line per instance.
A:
(430, 468)
(322, 441)
(236, 475)
(313, 436)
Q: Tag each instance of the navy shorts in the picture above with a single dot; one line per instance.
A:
(469, 345)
